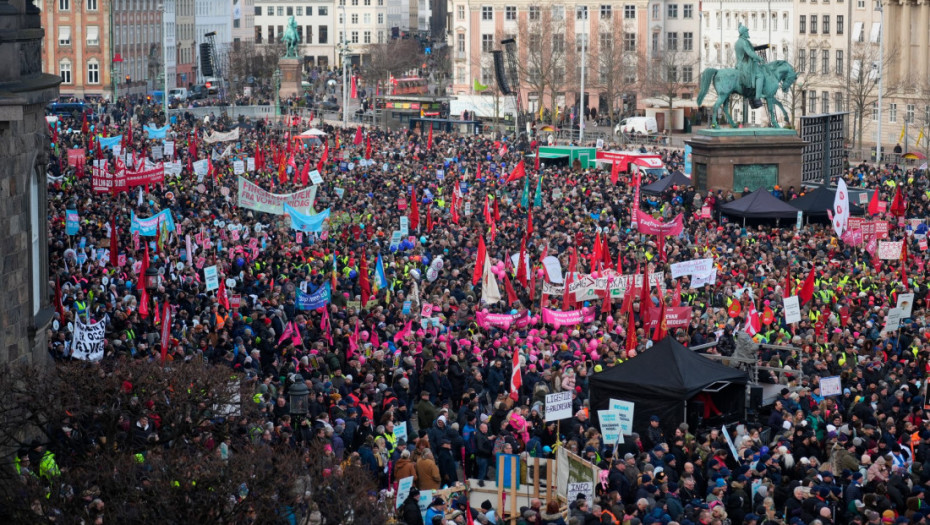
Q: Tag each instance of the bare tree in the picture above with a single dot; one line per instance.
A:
(616, 63)
(862, 85)
(542, 64)
(248, 59)
(391, 58)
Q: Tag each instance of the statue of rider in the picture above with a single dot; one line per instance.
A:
(748, 65)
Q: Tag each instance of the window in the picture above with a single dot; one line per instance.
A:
(91, 5)
(460, 42)
(826, 24)
(755, 21)
(355, 2)
(323, 32)
(290, 11)
(892, 112)
(671, 41)
(687, 74)
(860, 4)
(280, 33)
(64, 69)
(909, 113)
(858, 33)
(839, 63)
(629, 11)
(534, 13)
(837, 101)
(802, 24)
(487, 43)
(785, 23)
(300, 10)
(64, 35)
(802, 60)
(687, 41)
(774, 22)
(64, 5)
(824, 102)
(461, 12)
(558, 12)
(813, 61)
(354, 18)
(366, 3)
(629, 41)
(606, 41)
(687, 11)
(581, 42)
(655, 43)
(280, 10)
(93, 72)
(672, 10)
(655, 11)
(367, 37)
(671, 74)
(258, 10)
(558, 75)
(840, 27)
(813, 24)
(581, 12)
(487, 12)
(605, 12)
(308, 35)
(380, 37)
(812, 102)
(322, 11)
(271, 39)
(270, 10)
(355, 37)
(558, 43)
(510, 12)
(874, 111)
(825, 62)
(380, 18)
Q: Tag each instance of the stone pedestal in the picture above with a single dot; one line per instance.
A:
(732, 159)
(290, 77)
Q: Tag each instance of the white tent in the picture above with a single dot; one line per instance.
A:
(313, 132)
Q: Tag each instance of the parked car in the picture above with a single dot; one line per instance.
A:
(197, 92)
(70, 109)
(641, 125)
(179, 94)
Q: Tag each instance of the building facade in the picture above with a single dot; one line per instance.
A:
(315, 21)
(673, 57)
(78, 46)
(184, 34)
(26, 311)
(212, 16)
(769, 22)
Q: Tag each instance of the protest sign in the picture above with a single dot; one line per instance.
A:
(211, 278)
(610, 426)
(403, 489)
(72, 222)
(905, 304)
(830, 386)
(75, 157)
(625, 409)
(893, 321)
(558, 406)
(238, 167)
(252, 197)
(692, 267)
(646, 224)
(87, 344)
(557, 318)
(890, 250)
(792, 310)
(148, 227)
(317, 299)
(315, 177)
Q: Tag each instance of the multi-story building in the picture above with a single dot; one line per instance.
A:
(315, 21)
(184, 34)
(673, 58)
(823, 56)
(550, 38)
(243, 21)
(27, 312)
(170, 43)
(771, 22)
(366, 24)
(212, 17)
(78, 45)
(402, 16)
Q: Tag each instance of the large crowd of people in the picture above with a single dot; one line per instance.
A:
(416, 355)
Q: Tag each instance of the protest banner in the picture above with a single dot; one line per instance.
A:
(148, 227)
(558, 406)
(890, 250)
(650, 226)
(75, 157)
(201, 168)
(692, 267)
(697, 281)
(87, 344)
(255, 198)
(306, 223)
(215, 137)
(317, 299)
(553, 289)
(675, 316)
(72, 222)
(502, 321)
(557, 318)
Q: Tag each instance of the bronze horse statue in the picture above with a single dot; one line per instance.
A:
(777, 73)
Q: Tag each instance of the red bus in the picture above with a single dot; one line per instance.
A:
(410, 86)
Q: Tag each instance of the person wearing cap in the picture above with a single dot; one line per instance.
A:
(447, 463)
(437, 507)
(654, 434)
(410, 508)
(618, 481)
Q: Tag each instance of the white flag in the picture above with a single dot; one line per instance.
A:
(840, 208)
(490, 293)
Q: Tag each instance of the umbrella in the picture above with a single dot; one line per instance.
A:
(915, 155)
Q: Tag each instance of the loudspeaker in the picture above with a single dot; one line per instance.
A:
(500, 73)
(695, 414)
(206, 59)
(755, 398)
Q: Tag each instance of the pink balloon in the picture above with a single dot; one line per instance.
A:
(540, 273)
(364, 335)
(497, 344)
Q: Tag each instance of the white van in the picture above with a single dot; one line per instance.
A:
(642, 125)
(179, 94)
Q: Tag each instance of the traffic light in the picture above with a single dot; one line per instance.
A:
(128, 79)
(209, 85)
(149, 98)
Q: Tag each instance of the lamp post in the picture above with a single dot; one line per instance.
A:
(298, 394)
(276, 80)
(114, 75)
(164, 47)
(881, 61)
(345, 69)
(151, 279)
(584, 42)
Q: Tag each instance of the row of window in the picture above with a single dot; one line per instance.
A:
(558, 12)
(558, 42)
(93, 71)
(305, 36)
(750, 20)
(824, 26)
(808, 62)
(910, 111)
(687, 41)
(366, 18)
(671, 11)
(89, 5)
(298, 10)
(92, 35)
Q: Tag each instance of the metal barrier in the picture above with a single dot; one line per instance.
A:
(233, 112)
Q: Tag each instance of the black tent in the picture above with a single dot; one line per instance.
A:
(760, 204)
(663, 379)
(675, 179)
(815, 203)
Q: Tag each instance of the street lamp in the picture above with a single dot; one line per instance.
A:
(298, 394)
(276, 80)
(114, 75)
(345, 69)
(151, 279)
(164, 47)
(881, 61)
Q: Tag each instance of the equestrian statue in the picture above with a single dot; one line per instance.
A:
(291, 38)
(752, 79)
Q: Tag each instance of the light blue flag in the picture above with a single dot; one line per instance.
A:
(109, 142)
(156, 133)
(306, 223)
(379, 270)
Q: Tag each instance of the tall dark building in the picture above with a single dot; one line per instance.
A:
(25, 307)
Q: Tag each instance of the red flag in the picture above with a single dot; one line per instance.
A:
(873, 203)
(662, 326)
(429, 221)
(529, 221)
(511, 293)
(904, 263)
(614, 173)
(358, 136)
(532, 288)
(536, 160)
(645, 298)
(368, 148)
(807, 290)
(595, 253)
(59, 307)
(429, 141)
(354, 92)
(660, 247)
(897, 204)
(789, 285)
(631, 342)
(478, 175)
(324, 158)
(305, 174)
(497, 212)
(522, 263)
(606, 306)
(479, 262)
(221, 295)
(676, 299)
(734, 309)
(487, 210)
(363, 279)
(414, 211)
(84, 126)
(519, 171)
(114, 243)
(353, 342)
(516, 378)
(165, 332)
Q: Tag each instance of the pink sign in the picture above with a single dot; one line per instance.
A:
(558, 319)
(646, 224)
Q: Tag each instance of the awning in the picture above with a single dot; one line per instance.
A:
(64, 33)
(93, 34)
(548, 155)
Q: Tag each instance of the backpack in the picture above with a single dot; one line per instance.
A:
(499, 443)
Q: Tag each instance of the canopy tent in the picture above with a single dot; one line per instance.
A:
(313, 132)
(661, 380)
(677, 178)
(816, 202)
(760, 204)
